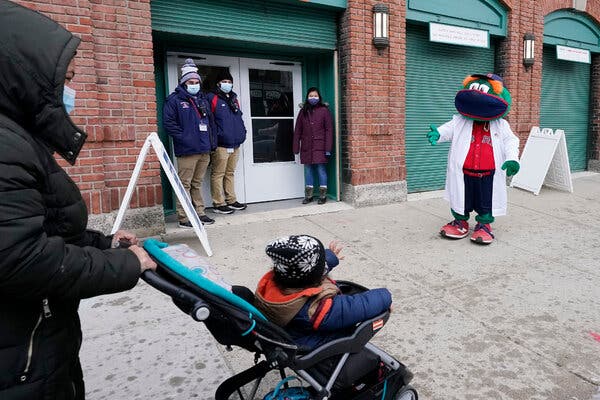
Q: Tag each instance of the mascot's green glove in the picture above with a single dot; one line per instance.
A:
(434, 135)
(511, 167)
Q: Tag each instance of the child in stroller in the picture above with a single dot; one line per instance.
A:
(340, 364)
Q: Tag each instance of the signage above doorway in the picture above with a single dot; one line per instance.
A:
(459, 35)
(573, 54)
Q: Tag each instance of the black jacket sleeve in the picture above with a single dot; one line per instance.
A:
(35, 265)
(95, 239)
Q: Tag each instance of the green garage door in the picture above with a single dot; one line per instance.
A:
(434, 73)
(258, 21)
(565, 103)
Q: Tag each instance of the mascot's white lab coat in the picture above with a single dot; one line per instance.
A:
(505, 145)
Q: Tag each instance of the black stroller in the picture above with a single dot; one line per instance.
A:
(332, 371)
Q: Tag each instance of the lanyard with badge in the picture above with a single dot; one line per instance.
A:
(203, 127)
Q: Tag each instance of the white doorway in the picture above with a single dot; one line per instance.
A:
(269, 92)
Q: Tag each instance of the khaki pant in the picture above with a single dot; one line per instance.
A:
(222, 176)
(191, 170)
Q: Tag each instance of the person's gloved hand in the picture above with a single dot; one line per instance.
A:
(511, 167)
(433, 136)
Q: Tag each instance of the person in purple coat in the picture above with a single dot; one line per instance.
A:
(313, 140)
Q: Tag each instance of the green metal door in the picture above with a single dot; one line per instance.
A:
(565, 103)
(434, 73)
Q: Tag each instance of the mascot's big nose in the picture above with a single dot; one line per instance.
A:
(479, 106)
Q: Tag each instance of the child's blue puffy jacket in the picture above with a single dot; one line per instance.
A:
(316, 315)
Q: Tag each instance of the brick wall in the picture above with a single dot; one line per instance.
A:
(115, 102)
(524, 16)
(372, 92)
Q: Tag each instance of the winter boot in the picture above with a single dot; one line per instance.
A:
(322, 195)
(308, 195)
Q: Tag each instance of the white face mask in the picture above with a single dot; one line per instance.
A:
(193, 89)
(226, 87)
(69, 99)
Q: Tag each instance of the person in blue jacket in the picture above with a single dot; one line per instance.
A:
(187, 118)
(231, 133)
(298, 295)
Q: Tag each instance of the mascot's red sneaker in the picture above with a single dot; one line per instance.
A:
(456, 229)
(482, 234)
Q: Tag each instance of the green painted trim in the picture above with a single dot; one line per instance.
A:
(573, 29)
(317, 71)
(160, 79)
(488, 15)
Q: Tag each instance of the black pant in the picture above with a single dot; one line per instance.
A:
(478, 194)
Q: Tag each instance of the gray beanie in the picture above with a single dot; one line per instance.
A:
(189, 70)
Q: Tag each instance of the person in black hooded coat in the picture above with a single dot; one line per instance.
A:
(48, 259)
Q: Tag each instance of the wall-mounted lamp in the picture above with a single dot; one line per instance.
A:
(380, 27)
(528, 50)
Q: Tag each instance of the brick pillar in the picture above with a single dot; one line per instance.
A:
(525, 85)
(372, 114)
(115, 105)
(594, 132)
(593, 9)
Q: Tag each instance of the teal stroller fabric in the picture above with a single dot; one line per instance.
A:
(154, 248)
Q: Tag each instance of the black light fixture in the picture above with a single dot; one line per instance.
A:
(380, 27)
(528, 50)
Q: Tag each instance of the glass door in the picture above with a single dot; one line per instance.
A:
(209, 67)
(273, 95)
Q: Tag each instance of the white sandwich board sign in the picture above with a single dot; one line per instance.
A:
(184, 198)
(544, 161)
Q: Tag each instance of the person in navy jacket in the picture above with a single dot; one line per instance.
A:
(297, 293)
(187, 118)
(231, 133)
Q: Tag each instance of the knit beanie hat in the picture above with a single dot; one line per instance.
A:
(224, 74)
(298, 261)
(189, 70)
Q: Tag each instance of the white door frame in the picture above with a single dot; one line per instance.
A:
(253, 182)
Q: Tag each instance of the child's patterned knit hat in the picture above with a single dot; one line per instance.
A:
(298, 261)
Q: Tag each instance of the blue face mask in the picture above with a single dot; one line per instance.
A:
(193, 89)
(68, 99)
(226, 87)
(313, 100)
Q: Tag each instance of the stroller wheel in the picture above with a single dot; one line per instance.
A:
(406, 393)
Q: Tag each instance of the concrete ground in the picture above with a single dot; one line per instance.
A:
(519, 319)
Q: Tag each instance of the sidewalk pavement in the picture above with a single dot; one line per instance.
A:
(519, 319)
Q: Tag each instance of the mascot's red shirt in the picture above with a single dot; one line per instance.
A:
(481, 153)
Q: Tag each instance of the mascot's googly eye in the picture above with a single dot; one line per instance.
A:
(474, 86)
(484, 88)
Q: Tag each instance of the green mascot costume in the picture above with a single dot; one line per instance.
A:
(483, 151)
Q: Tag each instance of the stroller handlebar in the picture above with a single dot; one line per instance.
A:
(195, 306)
